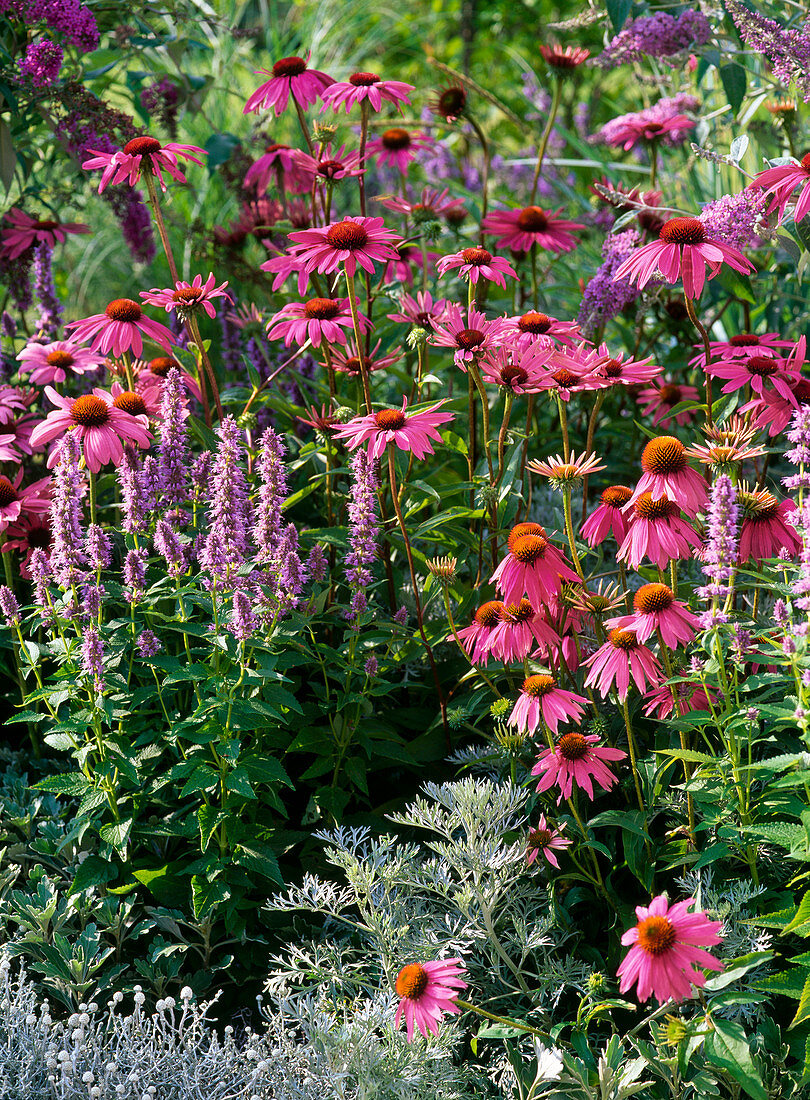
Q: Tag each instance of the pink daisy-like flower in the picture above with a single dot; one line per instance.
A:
(286, 264)
(426, 991)
(18, 501)
(564, 372)
(13, 399)
(188, 297)
(660, 400)
(541, 700)
(329, 165)
(278, 165)
(150, 377)
(770, 410)
(520, 631)
(143, 403)
(655, 608)
(121, 327)
(470, 336)
(520, 229)
(667, 473)
(781, 182)
(514, 370)
(316, 320)
(683, 251)
(477, 263)
(21, 232)
(660, 702)
(421, 310)
(765, 529)
(543, 838)
(56, 361)
(637, 130)
(366, 87)
(350, 363)
(141, 154)
(25, 536)
(101, 427)
(740, 346)
(762, 372)
(621, 658)
(656, 531)
(666, 948)
(615, 370)
(290, 76)
(408, 261)
(353, 242)
(431, 205)
(533, 567)
(409, 432)
(577, 759)
(477, 637)
(533, 327)
(397, 147)
(608, 517)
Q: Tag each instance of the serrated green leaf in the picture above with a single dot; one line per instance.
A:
(72, 783)
(802, 919)
(116, 833)
(727, 1047)
(206, 895)
(803, 1011)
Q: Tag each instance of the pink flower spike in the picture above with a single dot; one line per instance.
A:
(477, 263)
(666, 949)
(541, 700)
(577, 760)
(21, 232)
(316, 320)
(354, 242)
(102, 428)
(290, 76)
(142, 154)
(619, 660)
(683, 251)
(409, 432)
(655, 608)
(188, 297)
(121, 327)
(56, 361)
(426, 991)
(544, 838)
(365, 87)
(518, 230)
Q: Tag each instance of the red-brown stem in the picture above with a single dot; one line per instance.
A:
(693, 317)
(194, 331)
(151, 187)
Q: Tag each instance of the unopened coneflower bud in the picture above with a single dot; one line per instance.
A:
(444, 569)
(488, 495)
(344, 414)
(417, 337)
(323, 131)
(500, 708)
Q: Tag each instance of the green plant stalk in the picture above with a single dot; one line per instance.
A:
(541, 153)
(631, 744)
(584, 831)
(193, 327)
(460, 643)
(569, 530)
(508, 1021)
(479, 133)
(687, 771)
(356, 323)
(693, 317)
(157, 213)
(507, 412)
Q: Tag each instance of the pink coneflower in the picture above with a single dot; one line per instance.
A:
(477, 637)
(101, 428)
(21, 232)
(366, 87)
(426, 991)
(422, 310)
(608, 517)
(184, 297)
(142, 153)
(562, 373)
(431, 205)
(636, 130)
(316, 320)
(143, 403)
(151, 375)
(667, 473)
(520, 631)
(533, 568)
(666, 950)
(329, 165)
(563, 60)
(541, 700)
(120, 328)
(615, 370)
(762, 372)
(655, 608)
(764, 531)
(770, 410)
(543, 838)
(56, 361)
(278, 163)
(682, 251)
(25, 536)
(577, 759)
(740, 346)
(397, 147)
(18, 501)
(286, 264)
(290, 76)
(660, 400)
(660, 701)
(656, 531)
(510, 368)
(621, 658)
(477, 263)
(562, 472)
(350, 363)
(13, 399)
(520, 229)
(407, 262)
(469, 336)
(409, 432)
(781, 182)
(353, 242)
(533, 327)
(324, 421)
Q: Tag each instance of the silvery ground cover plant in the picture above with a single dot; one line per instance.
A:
(404, 518)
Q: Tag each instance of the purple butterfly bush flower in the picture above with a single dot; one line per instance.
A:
(605, 297)
(657, 35)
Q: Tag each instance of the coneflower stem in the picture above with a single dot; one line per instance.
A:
(454, 632)
(502, 1019)
(552, 114)
(631, 744)
(584, 832)
(693, 317)
(151, 187)
(194, 331)
(356, 322)
(569, 530)
(687, 771)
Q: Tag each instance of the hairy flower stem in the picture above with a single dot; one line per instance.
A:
(392, 474)
(573, 806)
(552, 114)
(569, 530)
(302, 119)
(157, 213)
(693, 317)
(356, 322)
(502, 1019)
(507, 412)
(454, 632)
(564, 428)
(687, 772)
(479, 133)
(194, 331)
(361, 179)
(597, 405)
(127, 361)
(631, 744)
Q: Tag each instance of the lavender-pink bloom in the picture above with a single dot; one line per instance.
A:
(317, 566)
(50, 315)
(9, 606)
(244, 620)
(42, 62)
(272, 493)
(66, 544)
(657, 35)
(92, 595)
(735, 219)
(605, 297)
(40, 570)
(93, 657)
(148, 643)
(201, 475)
(289, 570)
(787, 50)
(97, 547)
(226, 547)
(169, 546)
(173, 449)
(135, 574)
(363, 526)
(722, 539)
(133, 510)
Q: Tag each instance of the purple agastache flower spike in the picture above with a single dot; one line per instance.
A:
(363, 529)
(226, 546)
(66, 545)
(722, 544)
(272, 493)
(173, 452)
(93, 657)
